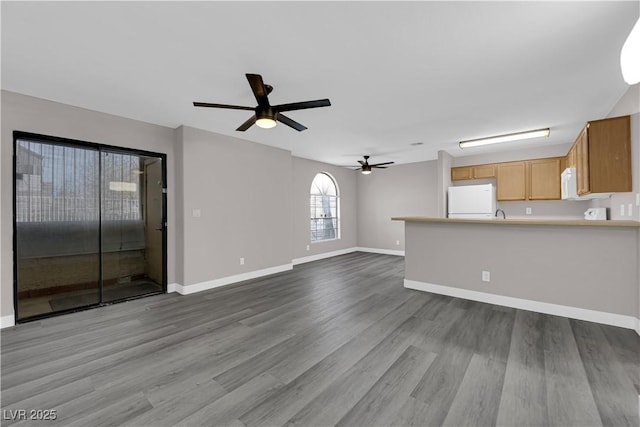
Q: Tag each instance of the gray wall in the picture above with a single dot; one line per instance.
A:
(303, 173)
(572, 266)
(400, 190)
(253, 199)
(24, 113)
(243, 192)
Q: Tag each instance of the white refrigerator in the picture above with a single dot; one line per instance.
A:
(472, 201)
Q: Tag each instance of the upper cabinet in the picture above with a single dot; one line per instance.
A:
(511, 181)
(602, 156)
(537, 179)
(544, 179)
(462, 173)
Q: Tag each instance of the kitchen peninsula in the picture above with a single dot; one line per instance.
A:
(581, 269)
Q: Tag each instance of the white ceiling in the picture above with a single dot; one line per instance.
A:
(397, 73)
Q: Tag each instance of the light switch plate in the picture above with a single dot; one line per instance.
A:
(486, 276)
(630, 209)
(196, 213)
(621, 210)
(528, 211)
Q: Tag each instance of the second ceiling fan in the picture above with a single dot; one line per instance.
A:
(365, 167)
(266, 114)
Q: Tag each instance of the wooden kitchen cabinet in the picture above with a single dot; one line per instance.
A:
(511, 182)
(571, 158)
(603, 156)
(483, 171)
(582, 162)
(462, 173)
(537, 179)
(543, 179)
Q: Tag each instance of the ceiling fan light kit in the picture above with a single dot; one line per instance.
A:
(266, 123)
(266, 115)
(518, 136)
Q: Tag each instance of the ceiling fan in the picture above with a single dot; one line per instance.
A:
(366, 167)
(266, 114)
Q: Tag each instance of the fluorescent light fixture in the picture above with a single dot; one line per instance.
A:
(630, 56)
(505, 138)
(123, 186)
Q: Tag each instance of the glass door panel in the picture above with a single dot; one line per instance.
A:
(132, 225)
(57, 227)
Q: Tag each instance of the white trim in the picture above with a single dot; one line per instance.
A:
(7, 321)
(380, 251)
(172, 287)
(216, 283)
(317, 257)
(628, 322)
(638, 332)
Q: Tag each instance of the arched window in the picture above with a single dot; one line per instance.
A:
(325, 208)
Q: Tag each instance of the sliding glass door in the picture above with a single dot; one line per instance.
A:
(89, 225)
(131, 188)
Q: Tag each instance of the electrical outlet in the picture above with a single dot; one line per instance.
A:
(630, 209)
(528, 211)
(621, 210)
(397, 242)
(308, 247)
(486, 276)
(241, 261)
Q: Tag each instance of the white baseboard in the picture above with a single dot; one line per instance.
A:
(7, 321)
(380, 251)
(216, 283)
(638, 330)
(628, 322)
(317, 257)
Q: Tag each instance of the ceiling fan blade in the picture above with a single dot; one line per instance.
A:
(232, 107)
(378, 167)
(246, 125)
(382, 164)
(289, 122)
(258, 89)
(303, 105)
(362, 162)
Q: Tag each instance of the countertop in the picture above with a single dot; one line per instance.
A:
(500, 221)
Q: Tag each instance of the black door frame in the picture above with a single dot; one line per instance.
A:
(100, 148)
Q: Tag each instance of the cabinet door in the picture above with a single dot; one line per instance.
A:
(610, 155)
(484, 171)
(461, 173)
(511, 181)
(544, 179)
(582, 162)
(571, 157)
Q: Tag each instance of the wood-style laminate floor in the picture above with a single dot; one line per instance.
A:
(333, 342)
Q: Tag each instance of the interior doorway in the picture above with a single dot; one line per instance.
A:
(89, 225)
